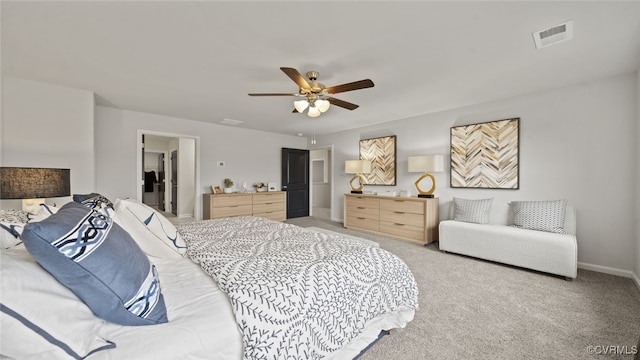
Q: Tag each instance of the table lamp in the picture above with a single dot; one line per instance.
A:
(32, 185)
(357, 167)
(426, 164)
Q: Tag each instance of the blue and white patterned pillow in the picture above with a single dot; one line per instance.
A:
(473, 211)
(99, 261)
(94, 201)
(540, 215)
(156, 235)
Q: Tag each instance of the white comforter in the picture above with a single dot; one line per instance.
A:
(298, 293)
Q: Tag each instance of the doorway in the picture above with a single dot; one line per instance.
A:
(321, 185)
(179, 178)
(155, 168)
(295, 181)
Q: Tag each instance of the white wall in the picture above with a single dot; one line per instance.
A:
(46, 125)
(576, 143)
(249, 155)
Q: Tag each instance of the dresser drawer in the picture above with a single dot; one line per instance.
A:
(364, 211)
(401, 217)
(362, 223)
(224, 201)
(273, 215)
(363, 207)
(407, 206)
(404, 231)
(234, 210)
(362, 201)
(269, 198)
(259, 208)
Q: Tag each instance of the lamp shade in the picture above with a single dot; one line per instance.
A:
(426, 163)
(29, 183)
(357, 167)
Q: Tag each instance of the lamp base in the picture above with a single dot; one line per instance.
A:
(356, 192)
(430, 196)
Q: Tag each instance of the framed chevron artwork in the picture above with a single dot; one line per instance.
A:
(486, 155)
(382, 154)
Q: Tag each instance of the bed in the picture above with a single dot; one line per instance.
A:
(234, 288)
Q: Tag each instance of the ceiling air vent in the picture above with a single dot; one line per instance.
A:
(231, 122)
(553, 35)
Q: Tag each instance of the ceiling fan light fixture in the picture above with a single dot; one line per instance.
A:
(322, 105)
(300, 105)
(313, 111)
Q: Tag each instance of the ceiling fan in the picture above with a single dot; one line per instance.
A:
(316, 95)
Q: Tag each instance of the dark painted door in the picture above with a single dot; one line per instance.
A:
(295, 181)
(174, 182)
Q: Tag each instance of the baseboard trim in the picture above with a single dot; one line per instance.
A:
(636, 279)
(606, 270)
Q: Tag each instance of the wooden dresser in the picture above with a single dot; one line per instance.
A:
(409, 218)
(271, 205)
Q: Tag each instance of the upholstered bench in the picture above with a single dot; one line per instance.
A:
(538, 235)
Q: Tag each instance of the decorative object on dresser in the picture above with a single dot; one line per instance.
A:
(485, 155)
(382, 154)
(273, 187)
(271, 205)
(216, 189)
(408, 218)
(260, 186)
(33, 185)
(228, 184)
(357, 167)
(426, 164)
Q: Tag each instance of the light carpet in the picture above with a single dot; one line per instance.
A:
(475, 309)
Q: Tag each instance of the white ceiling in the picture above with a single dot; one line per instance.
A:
(198, 60)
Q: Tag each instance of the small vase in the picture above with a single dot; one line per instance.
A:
(228, 190)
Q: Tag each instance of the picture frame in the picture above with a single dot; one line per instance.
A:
(381, 152)
(216, 189)
(486, 155)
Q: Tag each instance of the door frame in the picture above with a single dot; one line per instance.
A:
(331, 179)
(197, 199)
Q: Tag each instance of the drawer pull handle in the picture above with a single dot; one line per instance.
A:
(398, 200)
(399, 212)
(361, 218)
(399, 224)
(361, 207)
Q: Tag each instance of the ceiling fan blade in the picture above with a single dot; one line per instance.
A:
(296, 77)
(342, 103)
(273, 94)
(356, 85)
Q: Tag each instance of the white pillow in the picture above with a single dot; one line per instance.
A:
(41, 318)
(11, 224)
(540, 215)
(44, 212)
(155, 235)
(473, 211)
